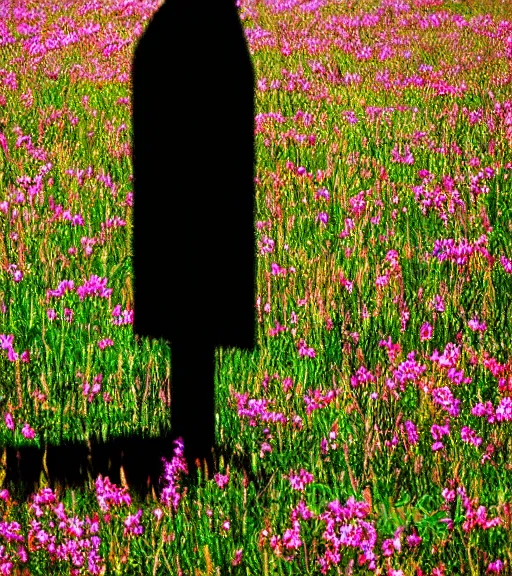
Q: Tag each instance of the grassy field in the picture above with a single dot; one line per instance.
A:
(377, 409)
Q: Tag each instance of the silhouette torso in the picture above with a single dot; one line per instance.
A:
(193, 167)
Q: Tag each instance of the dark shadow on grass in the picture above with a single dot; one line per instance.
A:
(76, 466)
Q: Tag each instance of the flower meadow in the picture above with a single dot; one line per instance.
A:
(376, 411)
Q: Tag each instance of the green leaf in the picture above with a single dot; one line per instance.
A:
(404, 499)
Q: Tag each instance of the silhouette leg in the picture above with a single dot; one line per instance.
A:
(193, 400)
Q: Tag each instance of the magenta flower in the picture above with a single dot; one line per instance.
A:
(437, 303)
(314, 399)
(22, 553)
(287, 383)
(361, 376)
(322, 193)
(265, 447)
(477, 326)
(412, 434)
(302, 511)
(238, 557)
(426, 332)
(132, 525)
(387, 548)
(298, 481)
(12, 356)
(448, 494)
(323, 217)
(106, 342)
(382, 280)
(277, 270)
(469, 435)
(305, 350)
(438, 431)
(350, 116)
(75, 527)
(504, 410)
(221, 480)
(170, 494)
(483, 409)
(291, 538)
(444, 397)
(9, 422)
(107, 493)
(414, 540)
(28, 432)
(495, 567)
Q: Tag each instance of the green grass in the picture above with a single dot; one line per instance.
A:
(353, 441)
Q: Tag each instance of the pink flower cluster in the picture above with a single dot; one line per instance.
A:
(438, 432)
(178, 464)
(476, 516)
(409, 369)
(345, 527)
(95, 286)
(361, 376)
(393, 349)
(257, 410)
(122, 317)
(6, 344)
(278, 328)
(221, 480)
(108, 493)
(442, 197)
(444, 397)
(266, 245)
(291, 538)
(277, 270)
(78, 543)
(315, 400)
(93, 391)
(27, 431)
(59, 214)
(305, 350)
(299, 481)
(468, 435)
(392, 545)
(412, 433)
(405, 158)
(503, 411)
(447, 249)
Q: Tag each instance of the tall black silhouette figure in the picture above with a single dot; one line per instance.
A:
(193, 209)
